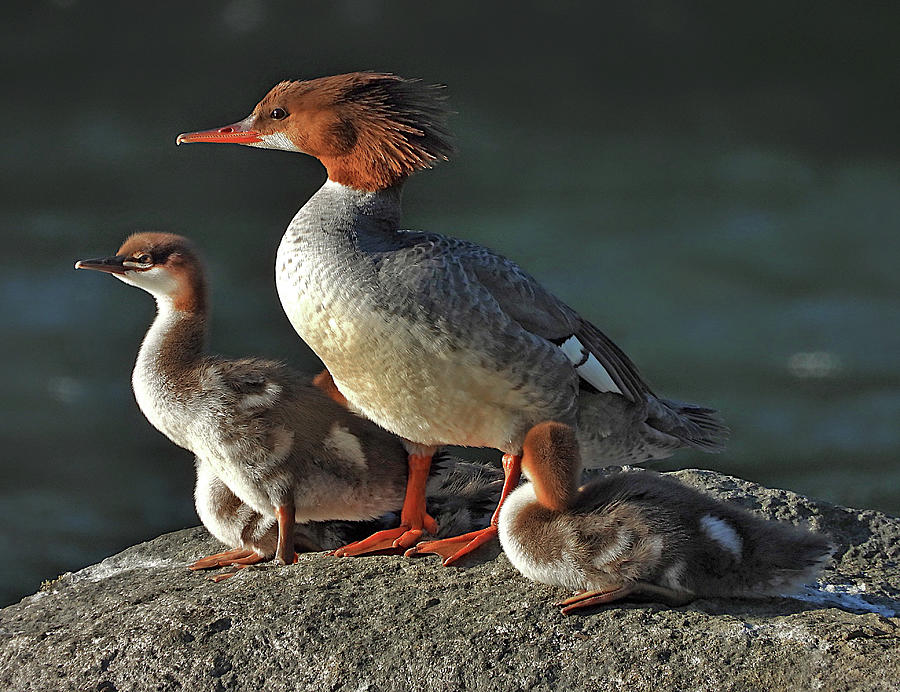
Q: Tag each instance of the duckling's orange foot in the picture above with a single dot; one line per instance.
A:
(238, 565)
(239, 558)
(639, 591)
(390, 539)
(588, 599)
(229, 557)
(452, 549)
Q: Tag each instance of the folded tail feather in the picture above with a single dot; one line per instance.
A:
(696, 426)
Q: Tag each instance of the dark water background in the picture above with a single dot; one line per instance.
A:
(717, 188)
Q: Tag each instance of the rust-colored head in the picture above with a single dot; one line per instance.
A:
(552, 462)
(370, 130)
(163, 264)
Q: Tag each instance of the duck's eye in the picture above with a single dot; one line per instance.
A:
(144, 259)
(278, 114)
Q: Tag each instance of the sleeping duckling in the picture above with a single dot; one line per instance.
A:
(640, 534)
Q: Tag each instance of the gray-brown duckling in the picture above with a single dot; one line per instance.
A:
(640, 534)
(284, 448)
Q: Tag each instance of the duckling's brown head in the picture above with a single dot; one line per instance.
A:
(551, 461)
(163, 264)
(370, 130)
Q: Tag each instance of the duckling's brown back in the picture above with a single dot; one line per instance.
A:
(295, 440)
(710, 547)
(346, 463)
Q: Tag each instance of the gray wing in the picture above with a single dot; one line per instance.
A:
(436, 267)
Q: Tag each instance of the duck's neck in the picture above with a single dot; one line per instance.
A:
(173, 346)
(340, 210)
(555, 487)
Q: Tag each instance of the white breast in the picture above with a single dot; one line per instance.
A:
(561, 572)
(153, 396)
(392, 371)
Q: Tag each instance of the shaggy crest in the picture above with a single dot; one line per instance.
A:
(370, 130)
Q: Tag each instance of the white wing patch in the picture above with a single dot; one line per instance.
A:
(614, 551)
(345, 443)
(673, 575)
(265, 398)
(588, 368)
(722, 533)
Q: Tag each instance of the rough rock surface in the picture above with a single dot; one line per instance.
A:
(141, 621)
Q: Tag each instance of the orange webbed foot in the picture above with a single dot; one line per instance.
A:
(222, 559)
(588, 599)
(453, 549)
(239, 558)
(414, 519)
(379, 542)
(395, 540)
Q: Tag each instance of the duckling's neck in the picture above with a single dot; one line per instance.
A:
(555, 486)
(166, 372)
(175, 341)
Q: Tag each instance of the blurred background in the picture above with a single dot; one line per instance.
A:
(715, 186)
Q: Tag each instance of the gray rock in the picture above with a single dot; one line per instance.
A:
(141, 621)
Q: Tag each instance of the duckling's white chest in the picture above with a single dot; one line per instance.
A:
(165, 411)
(528, 551)
(166, 408)
(173, 399)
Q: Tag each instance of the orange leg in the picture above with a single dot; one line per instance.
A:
(284, 553)
(452, 549)
(325, 382)
(414, 519)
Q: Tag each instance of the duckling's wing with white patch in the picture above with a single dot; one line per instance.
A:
(255, 383)
(447, 269)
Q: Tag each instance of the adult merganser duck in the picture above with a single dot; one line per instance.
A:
(642, 534)
(438, 340)
(279, 445)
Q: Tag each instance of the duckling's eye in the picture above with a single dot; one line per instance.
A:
(278, 114)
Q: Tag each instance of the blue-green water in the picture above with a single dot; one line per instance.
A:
(729, 217)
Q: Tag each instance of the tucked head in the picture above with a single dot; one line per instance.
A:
(163, 264)
(551, 461)
(370, 130)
